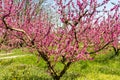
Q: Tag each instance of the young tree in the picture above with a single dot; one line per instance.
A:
(84, 32)
(91, 23)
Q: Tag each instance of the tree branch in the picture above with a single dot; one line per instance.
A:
(65, 69)
(42, 54)
(101, 47)
(15, 29)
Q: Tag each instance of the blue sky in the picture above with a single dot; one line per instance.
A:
(109, 5)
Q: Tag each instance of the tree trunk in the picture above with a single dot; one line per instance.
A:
(116, 52)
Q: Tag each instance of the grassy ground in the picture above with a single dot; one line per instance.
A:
(27, 68)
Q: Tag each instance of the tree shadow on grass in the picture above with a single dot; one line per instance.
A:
(34, 77)
(71, 76)
(111, 71)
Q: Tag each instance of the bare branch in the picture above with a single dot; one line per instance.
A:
(101, 47)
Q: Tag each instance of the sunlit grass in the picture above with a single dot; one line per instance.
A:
(27, 68)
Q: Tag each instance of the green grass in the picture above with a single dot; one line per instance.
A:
(27, 68)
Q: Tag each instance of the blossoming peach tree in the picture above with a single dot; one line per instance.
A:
(88, 27)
